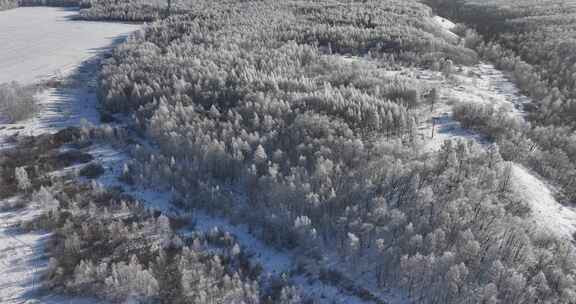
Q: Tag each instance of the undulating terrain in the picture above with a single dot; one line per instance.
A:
(298, 151)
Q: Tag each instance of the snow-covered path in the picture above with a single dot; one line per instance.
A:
(40, 42)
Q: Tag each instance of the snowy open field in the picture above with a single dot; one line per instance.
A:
(40, 42)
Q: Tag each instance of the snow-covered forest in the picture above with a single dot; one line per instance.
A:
(533, 42)
(326, 151)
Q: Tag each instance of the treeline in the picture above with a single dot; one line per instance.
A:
(111, 10)
(133, 10)
(123, 10)
(257, 118)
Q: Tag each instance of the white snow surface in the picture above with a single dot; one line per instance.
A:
(481, 83)
(58, 108)
(444, 23)
(20, 256)
(447, 26)
(547, 213)
(42, 42)
(51, 45)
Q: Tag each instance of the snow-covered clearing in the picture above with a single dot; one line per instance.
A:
(484, 84)
(37, 44)
(481, 83)
(41, 42)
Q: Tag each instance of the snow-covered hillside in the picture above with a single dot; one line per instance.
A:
(40, 42)
(483, 84)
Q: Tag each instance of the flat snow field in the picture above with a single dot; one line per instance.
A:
(40, 42)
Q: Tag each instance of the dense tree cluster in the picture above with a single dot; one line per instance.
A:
(257, 117)
(133, 10)
(549, 150)
(16, 102)
(496, 123)
(106, 245)
(115, 249)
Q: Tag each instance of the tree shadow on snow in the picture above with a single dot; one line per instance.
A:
(74, 100)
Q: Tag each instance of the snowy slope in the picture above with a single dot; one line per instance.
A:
(447, 26)
(40, 42)
(444, 23)
(484, 84)
(547, 213)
